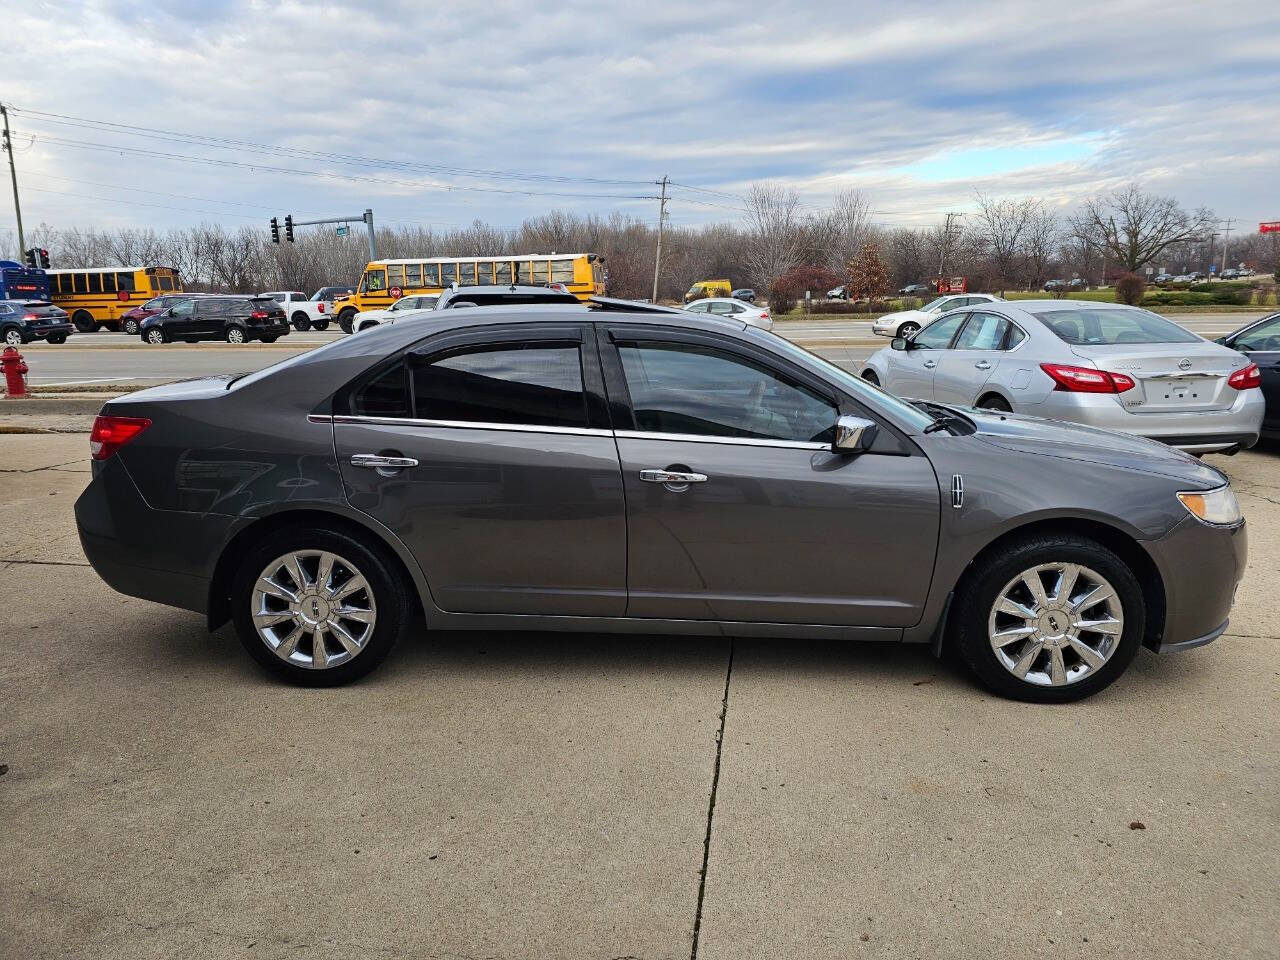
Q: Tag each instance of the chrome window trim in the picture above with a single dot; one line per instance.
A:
(740, 441)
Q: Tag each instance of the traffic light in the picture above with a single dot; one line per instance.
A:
(288, 227)
(44, 259)
(275, 230)
(30, 257)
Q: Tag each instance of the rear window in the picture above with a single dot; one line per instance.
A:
(1083, 326)
(259, 303)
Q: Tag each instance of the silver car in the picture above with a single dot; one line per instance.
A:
(735, 309)
(1105, 365)
(906, 323)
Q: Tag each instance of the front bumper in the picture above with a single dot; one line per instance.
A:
(1200, 566)
(1195, 431)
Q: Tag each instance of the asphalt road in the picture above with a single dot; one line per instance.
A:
(519, 796)
(117, 358)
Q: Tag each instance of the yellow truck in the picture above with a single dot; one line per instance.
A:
(709, 288)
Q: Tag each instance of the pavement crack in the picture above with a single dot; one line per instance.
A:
(711, 805)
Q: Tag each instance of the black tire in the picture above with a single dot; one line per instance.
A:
(870, 377)
(301, 322)
(131, 327)
(83, 321)
(57, 338)
(346, 318)
(235, 334)
(983, 583)
(995, 403)
(270, 339)
(391, 597)
(908, 329)
(155, 336)
(13, 337)
(321, 324)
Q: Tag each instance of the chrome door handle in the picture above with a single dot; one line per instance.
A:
(374, 461)
(982, 365)
(672, 476)
(930, 364)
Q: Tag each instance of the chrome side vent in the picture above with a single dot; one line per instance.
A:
(957, 491)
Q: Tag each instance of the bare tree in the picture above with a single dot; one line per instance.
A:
(1000, 229)
(775, 235)
(1133, 227)
(1040, 242)
(846, 228)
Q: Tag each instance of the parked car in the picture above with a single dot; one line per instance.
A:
(745, 294)
(22, 321)
(131, 320)
(1051, 285)
(918, 290)
(905, 323)
(303, 312)
(1162, 278)
(837, 293)
(736, 309)
(368, 319)
(1106, 365)
(1260, 342)
(1184, 278)
(708, 288)
(513, 295)
(1077, 283)
(236, 319)
(545, 468)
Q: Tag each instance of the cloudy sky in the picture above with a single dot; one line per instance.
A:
(165, 113)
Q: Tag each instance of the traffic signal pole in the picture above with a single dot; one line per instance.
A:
(366, 218)
(13, 174)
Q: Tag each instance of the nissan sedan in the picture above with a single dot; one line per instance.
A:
(560, 468)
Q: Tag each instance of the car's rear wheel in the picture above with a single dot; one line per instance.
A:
(155, 336)
(57, 338)
(131, 327)
(270, 339)
(317, 606)
(235, 334)
(995, 403)
(1049, 620)
(908, 329)
(83, 320)
(870, 377)
(301, 322)
(321, 324)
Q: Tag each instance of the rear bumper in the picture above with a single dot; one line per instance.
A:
(45, 331)
(1201, 567)
(268, 330)
(1196, 431)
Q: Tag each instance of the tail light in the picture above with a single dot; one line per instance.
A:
(1246, 378)
(1086, 379)
(259, 314)
(29, 316)
(320, 306)
(111, 433)
(764, 314)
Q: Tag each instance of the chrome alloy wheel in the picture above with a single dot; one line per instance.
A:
(313, 609)
(1056, 624)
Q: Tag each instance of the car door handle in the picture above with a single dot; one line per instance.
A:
(672, 476)
(374, 461)
(930, 364)
(982, 365)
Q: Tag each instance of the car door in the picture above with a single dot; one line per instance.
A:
(181, 321)
(1261, 344)
(487, 452)
(966, 366)
(763, 522)
(911, 371)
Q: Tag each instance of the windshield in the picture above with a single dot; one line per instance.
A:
(906, 414)
(934, 304)
(1093, 326)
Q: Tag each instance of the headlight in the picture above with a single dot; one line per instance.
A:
(1218, 507)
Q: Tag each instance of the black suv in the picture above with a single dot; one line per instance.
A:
(234, 319)
(22, 321)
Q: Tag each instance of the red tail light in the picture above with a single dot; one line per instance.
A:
(1086, 379)
(29, 316)
(764, 314)
(1246, 378)
(259, 314)
(320, 306)
(111, 433)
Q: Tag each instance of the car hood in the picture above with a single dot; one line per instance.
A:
(905, 315)
(1055, 438)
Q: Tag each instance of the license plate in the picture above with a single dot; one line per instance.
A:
(1179, 391)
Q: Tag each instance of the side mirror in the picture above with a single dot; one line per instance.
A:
(854, 434)
(1221, 340)
(899, 343)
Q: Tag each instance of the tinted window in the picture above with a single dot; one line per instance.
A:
(937, 335)
(124, 281)
(984, 331)
(184, 309)
(386, 395)
(1087, 326)
(1265, 336)
(685, 388)
(537, 383)
(95, 283)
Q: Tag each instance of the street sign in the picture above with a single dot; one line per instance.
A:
(1150, 271)
(1269, 226)
(342, 230)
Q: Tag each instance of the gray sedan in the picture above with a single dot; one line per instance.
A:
(1106, 365)
(606, 469)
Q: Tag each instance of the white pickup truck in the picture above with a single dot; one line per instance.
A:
(303, 313)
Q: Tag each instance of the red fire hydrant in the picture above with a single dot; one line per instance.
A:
(15, 372)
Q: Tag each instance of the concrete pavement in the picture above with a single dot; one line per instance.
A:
(491, 795)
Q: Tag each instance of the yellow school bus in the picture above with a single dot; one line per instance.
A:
(97, 297)
(386, 281)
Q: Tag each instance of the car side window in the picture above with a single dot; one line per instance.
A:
(535, 383)
(1263, 337)
(700, 390)
(184, 309)
(938, 335)
(1014, 336)
(700, 307)
(386, 395)
(984, 331)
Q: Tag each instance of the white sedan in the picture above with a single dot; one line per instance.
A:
(906, 323)
(372, 318)
(748, 313)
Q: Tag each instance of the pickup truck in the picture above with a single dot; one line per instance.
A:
(303, 313)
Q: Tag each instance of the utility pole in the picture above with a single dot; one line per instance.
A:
(947, 228)
(662, 217)
(1226, 232)
(13, 173)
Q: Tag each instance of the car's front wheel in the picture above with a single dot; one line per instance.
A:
(346, 318)
(317, 606)
(155, 336)
(908, 329)
(1050, 619)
